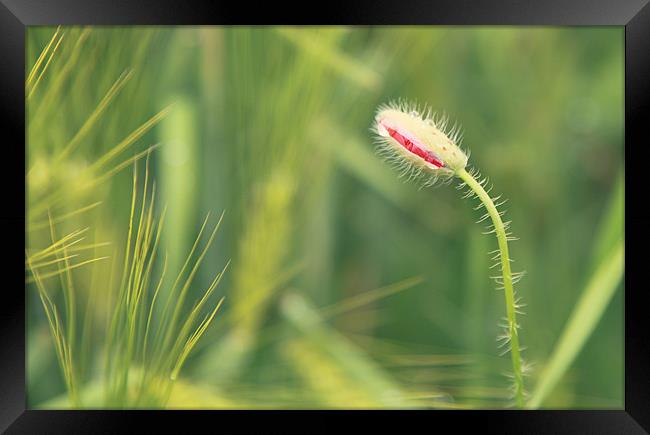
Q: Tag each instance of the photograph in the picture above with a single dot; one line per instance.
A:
(325, 217)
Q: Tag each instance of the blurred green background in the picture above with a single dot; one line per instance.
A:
(347, 286)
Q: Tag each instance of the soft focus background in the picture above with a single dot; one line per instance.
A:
(347, 286)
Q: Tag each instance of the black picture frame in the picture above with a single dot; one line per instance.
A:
(16, 15)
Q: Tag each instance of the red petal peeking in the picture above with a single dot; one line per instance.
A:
(414, 147)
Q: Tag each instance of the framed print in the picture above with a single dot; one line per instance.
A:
(407, 211)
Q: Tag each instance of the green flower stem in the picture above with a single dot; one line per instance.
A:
(507, 280)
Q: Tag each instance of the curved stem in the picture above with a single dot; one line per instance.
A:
(507, 280)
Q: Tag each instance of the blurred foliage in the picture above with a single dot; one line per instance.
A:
(271, 124)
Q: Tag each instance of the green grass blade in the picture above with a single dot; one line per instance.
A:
(581, 324)
(316, 46)
(365, 373)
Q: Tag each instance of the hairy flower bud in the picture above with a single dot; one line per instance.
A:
(419, 141)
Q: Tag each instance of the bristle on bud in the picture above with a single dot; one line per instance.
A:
(418, 141)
